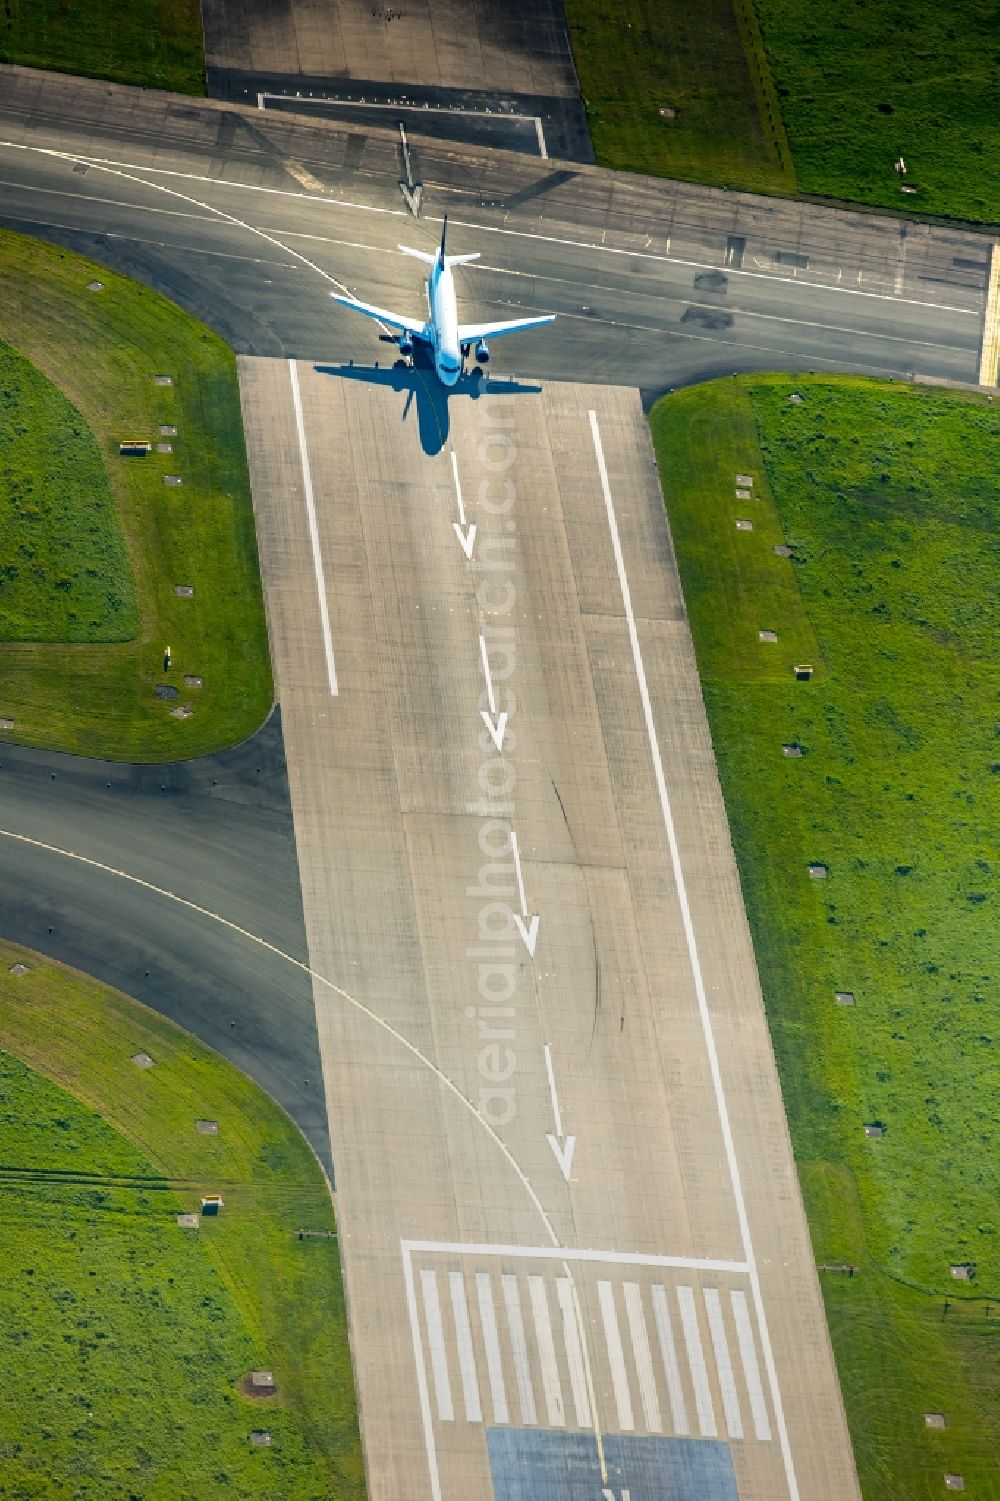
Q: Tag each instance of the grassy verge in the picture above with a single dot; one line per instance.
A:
(156, 43)
(861, 85)
(889, 497)
(64, 575)
(706, 63)
(103, 349)
(123, 1338)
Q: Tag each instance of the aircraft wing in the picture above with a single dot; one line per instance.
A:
(468, 333)
(393, 320)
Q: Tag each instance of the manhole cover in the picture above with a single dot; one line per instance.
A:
(183, 711)
(185, 591)
(190, 681)
(142, 1060)
(95, 286)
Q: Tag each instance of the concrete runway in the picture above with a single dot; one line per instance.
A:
(250, 218)
(565, 1188)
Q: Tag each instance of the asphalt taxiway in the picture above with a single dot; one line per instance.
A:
(566, 1191)
(249, 218)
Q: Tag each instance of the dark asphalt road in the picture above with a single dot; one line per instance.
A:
(217, 831)
(656, 283)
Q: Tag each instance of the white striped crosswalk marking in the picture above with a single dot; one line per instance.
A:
(643, 1361)
(546, 1353)
(574, 1354)
(435, 1335)
(466, 1357)
(723, 1364)
(494, 1365)
(515, 1324)
(751, 1370)
(613, 1340)
(696, 1362)
(668, 1353)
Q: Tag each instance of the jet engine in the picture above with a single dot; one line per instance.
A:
(482, 353)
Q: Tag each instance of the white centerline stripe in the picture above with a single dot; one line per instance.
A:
(574, 1357)
(494, 1366)
(675, 1388)
(466, 1357)
(317, 557)
(643, 1361)
(723, 1364)
(613, 1339)
(696, 1362)
(748, 1355)
(522, 1371)
(435, 1337)
(546, 1352)
(695, 962)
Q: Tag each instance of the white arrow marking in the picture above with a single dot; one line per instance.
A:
(494, 722)
(412, 197)
(464, 531)
(526, 926)
(563, 1149)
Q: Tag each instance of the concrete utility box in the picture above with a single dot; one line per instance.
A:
(134, 448)
(211, 1204)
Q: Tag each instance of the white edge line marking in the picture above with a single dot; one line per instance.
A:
(616, 1356)
(495, 229)
(542, 148)
(748, 1354)
(422, 1392)
(552, 1090)
(668, 1352)
(574, 1359)
(520, 878)
(439, 1355)
(324, 613)
(570, 1253)
(696, 1362)
(491, 697)
(494, 1365)
(466, 1354)
(547, 1352)
(636, 1316)
(723, 1363)
(522, 1370)
(695, 962)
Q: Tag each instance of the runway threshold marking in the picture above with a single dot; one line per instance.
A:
(317, 556)
(694, 958)
(989, 359)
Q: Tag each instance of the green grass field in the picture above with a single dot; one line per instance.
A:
(634, 58)
(889, 496)
(103, 350)
(773, 96)
(862, 84)
(123, 1338)
(64, 575)
(157, 43)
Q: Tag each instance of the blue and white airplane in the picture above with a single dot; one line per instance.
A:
(449, 340)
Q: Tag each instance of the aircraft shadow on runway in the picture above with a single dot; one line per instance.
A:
(422, 388)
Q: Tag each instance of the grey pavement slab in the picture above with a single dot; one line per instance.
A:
(566, 1191)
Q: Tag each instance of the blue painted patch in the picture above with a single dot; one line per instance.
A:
(540, 1465)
